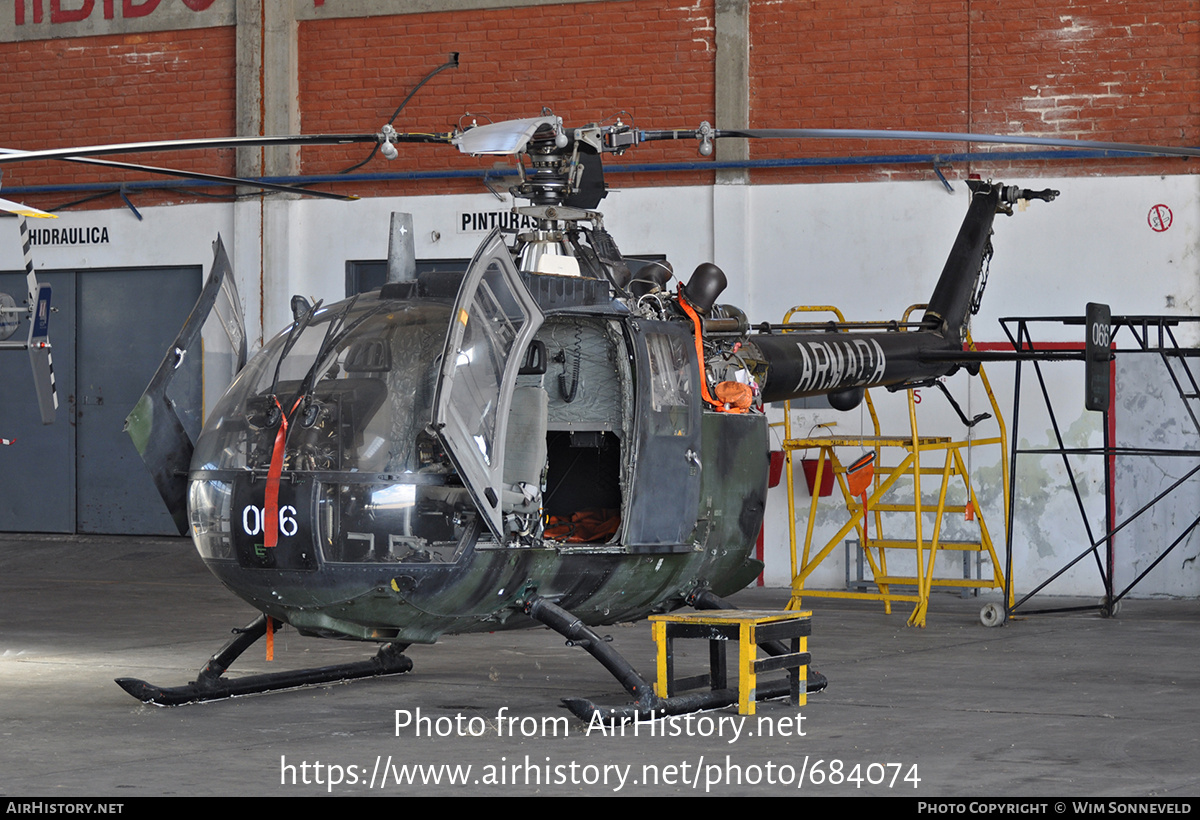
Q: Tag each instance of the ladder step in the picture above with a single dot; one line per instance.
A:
(863, 596)
(855, 506)
(936, 470)
(888, 543)
(964, 583)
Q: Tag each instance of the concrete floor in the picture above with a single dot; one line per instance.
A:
(1052, 705)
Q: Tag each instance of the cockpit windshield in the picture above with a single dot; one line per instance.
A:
(368, 405)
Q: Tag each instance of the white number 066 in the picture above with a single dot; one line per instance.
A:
(252, 520)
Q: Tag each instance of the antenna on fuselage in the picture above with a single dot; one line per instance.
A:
(402, 249)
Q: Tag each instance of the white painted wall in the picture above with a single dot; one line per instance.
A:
(178, 235)
(871, 248)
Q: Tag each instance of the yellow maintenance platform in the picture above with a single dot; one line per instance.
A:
(912, 457)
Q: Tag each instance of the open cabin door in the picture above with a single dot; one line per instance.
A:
(665, 497)
(493, 322)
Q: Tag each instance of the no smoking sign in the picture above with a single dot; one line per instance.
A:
(1159, 218)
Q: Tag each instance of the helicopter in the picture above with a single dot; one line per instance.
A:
(555, 437)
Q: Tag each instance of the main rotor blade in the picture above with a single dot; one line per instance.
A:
(187, 145)
(23, 210)
(943, 136)
(250, 183)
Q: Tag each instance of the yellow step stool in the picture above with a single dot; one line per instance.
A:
(750, 628)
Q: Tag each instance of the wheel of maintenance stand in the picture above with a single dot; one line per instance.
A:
(992, 615)
(1109, 612)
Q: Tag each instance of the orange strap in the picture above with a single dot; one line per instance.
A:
(271, 496)
(691, 312)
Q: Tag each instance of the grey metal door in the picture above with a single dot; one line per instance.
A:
(37, 472)
(126, 321)
(82, 474)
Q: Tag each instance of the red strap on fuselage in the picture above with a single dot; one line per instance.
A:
(271, 496)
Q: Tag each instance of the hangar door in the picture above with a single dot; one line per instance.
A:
(82, 474)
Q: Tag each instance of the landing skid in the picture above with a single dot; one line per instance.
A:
(647, 705)
(210, 683)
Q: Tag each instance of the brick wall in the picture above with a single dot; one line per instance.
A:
(128, 88)
(1118, 72)
(1126, 71)
(586, 63)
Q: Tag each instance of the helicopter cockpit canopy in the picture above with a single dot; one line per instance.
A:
(381, 413)
(364, 479)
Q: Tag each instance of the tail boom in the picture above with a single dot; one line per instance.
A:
(843, 364)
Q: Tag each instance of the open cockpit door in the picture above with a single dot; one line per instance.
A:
(493, 322)
(154, 424)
